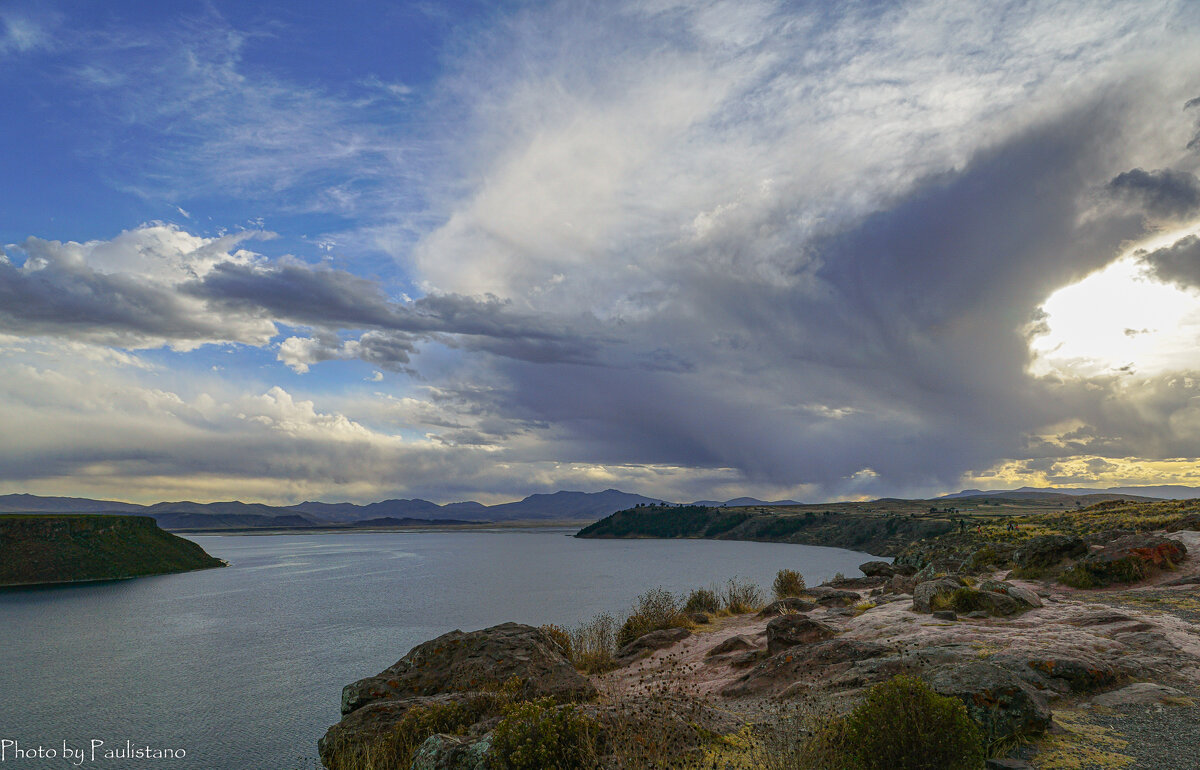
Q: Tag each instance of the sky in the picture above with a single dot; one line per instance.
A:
(281, 251)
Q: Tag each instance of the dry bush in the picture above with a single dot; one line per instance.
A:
(788, 582)
(654, 610)
(703, 600)
(741, 596)
(593, 644)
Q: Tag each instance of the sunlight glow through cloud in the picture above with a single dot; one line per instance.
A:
(1120, 319)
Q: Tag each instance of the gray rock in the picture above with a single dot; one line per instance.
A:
(655, 640)
(819, 661)
(1007, 764)
(1001, 704)
(791, 630)
(877, 569)
(978, 615)
(452, 752)
(736, 643)
(1138, 694)
(946, 615)
(924, 593)
(1023, 595)
(833, 597)
(458, 662)
(1060, 670)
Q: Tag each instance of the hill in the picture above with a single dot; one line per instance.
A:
(36, 549)
(1161, 492)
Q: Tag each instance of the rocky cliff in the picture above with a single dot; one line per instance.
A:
(59, 549)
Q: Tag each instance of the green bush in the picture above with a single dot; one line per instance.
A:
(902, 725)
(655, 610)
(703, 600)
(788, 582)
(741, 596)
(538, 734)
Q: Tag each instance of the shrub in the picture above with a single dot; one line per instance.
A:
(963, 600)
(1088, 575)
(742, 596)
(788, 582)
(559, 636)
(538, 734)
(703, 600)
(593, 644)
(902, 725)
(395, 749)
(655, 610)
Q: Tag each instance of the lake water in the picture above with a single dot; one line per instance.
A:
(242, 667)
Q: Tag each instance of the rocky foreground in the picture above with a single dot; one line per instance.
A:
(1054, 676)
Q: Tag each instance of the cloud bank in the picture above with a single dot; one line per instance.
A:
(692, 249)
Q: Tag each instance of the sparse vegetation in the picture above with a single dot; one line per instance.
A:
(559, 636)
(593, 644)
(703, 600)
(655, 610)
(741, 596)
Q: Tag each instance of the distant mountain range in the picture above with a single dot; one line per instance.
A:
(559, 506)
(1161, 492)
(574, 506)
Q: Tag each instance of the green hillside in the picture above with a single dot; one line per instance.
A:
(47, 548)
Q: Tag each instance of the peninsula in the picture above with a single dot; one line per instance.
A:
(42, 549)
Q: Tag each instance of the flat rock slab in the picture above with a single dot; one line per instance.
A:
(737, 643)
(786, 605)
(1138, 694)
(655, 640)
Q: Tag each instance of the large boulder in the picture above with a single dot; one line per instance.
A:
(791, 630)
(1020, 593)
(877, 569)
(459, 662)
(1048, 550)
(1126, 559)
(785, 606)
(655, 640)
(925, 593)
(1002, 705)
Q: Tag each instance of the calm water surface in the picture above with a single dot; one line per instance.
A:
(242, 667)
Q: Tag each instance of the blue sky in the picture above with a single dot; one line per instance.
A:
(297, 250)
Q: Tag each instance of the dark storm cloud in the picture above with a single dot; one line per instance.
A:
(1178, 263)
(1164, 193)
(896, 358)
